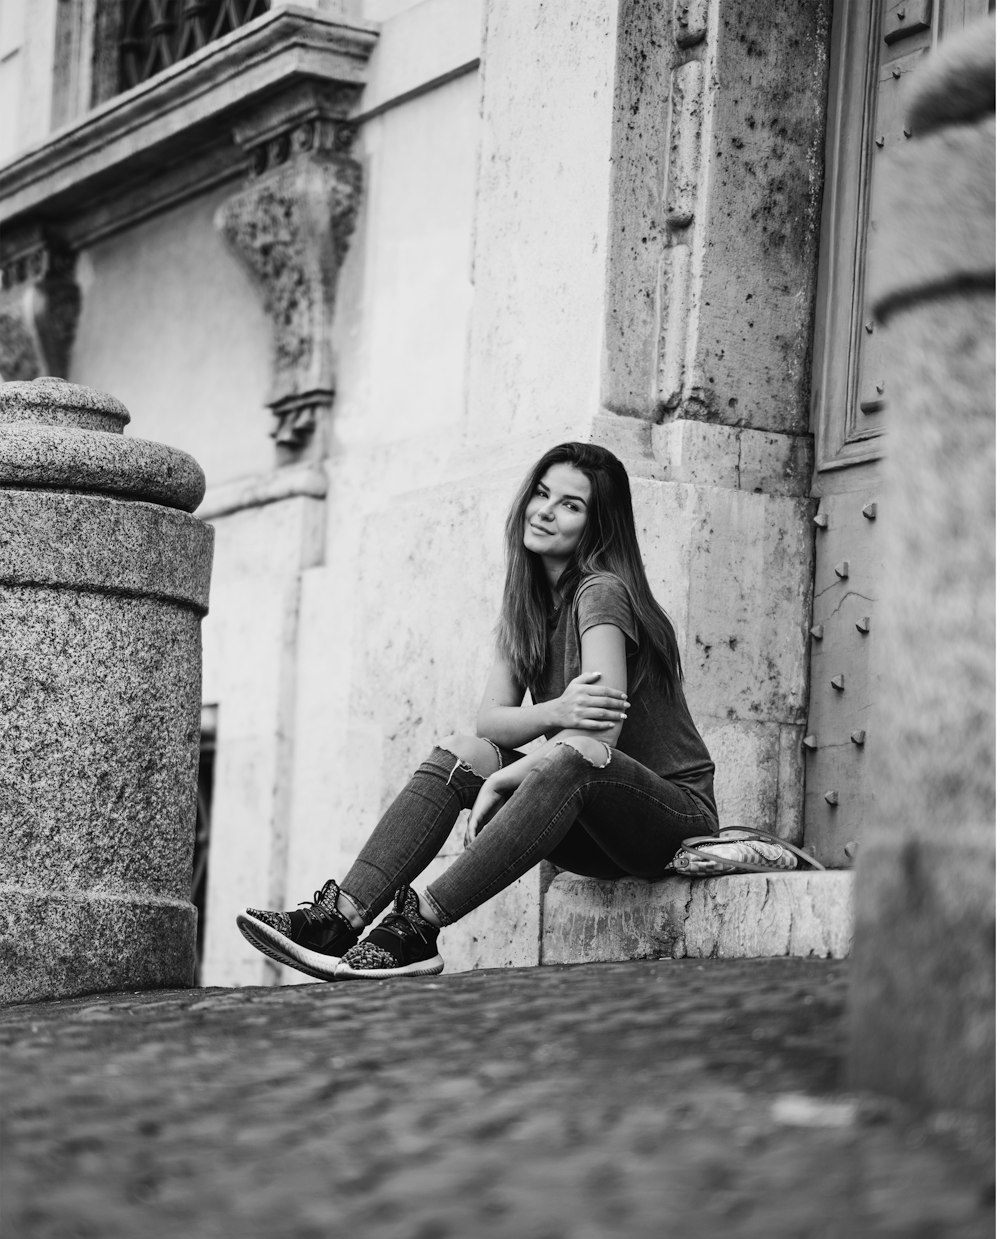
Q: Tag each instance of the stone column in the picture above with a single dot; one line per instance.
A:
(922, 1003)
(104, 579)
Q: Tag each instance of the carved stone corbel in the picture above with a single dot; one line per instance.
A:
(39, 306)
(291, 226)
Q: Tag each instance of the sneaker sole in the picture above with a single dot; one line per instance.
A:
(284, 951)
(422, 968)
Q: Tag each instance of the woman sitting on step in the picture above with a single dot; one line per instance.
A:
(622, 777)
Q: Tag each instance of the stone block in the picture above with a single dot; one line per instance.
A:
(635, 234)
(541, 227)
(415, 47)
(95, 542)
(710, 454)
(85, 944)
(745, 916)
(746, 757)
(757, 226)
(789, 821)
(502, 933)
(700, 453)
(779, 464)
(251, 653)
(253, 697)
(750, 587)
(100, 462)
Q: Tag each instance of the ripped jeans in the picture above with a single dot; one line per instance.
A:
(609, 821)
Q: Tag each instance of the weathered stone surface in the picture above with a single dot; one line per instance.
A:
(746, 756)
(99, 718)
(709, 454)
(789, 818)
(93, 542)
(699, 453)
(744, 916)
(100, 674)
(922, 1005)
(739, 278)
(51, 401)
(778, 464)
(500, 934)
(61, 943)
(70, 459)
(99, 712)
(541, 233)
(256, 610)
(749, 589)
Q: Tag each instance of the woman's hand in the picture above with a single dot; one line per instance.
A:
(492, 796)
(589, 706)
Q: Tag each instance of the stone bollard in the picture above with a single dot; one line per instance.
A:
(104, 579)
(922, 1002)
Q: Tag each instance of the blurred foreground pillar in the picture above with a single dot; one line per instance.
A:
(104, 579)
(922, 1001)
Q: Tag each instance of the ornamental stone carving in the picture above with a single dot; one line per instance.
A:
(39, 306)
(291, 226)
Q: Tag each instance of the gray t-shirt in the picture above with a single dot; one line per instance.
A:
(658, 732)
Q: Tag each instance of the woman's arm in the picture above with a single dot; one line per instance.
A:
(602, 652)
(589, 703)
(501, 716)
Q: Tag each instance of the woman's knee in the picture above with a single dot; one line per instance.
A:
(478, 754)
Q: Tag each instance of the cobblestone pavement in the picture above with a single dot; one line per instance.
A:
(673, 1098)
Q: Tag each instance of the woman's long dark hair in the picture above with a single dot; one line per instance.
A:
(609, 544)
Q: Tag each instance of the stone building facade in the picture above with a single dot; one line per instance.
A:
(366, 259)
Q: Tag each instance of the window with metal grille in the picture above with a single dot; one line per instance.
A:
(156, 34)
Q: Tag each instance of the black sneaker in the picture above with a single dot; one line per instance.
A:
(311, 939)
(403, 944)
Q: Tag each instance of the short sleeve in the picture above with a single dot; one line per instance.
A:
(604, 600)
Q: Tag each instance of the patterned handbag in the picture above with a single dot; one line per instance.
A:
(737, 850)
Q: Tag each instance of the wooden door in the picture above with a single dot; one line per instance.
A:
(875, 47)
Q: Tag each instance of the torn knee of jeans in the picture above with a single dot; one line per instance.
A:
(459, 765)
(451, 745)
(596, 753)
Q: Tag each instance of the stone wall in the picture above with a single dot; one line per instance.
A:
(582, 239)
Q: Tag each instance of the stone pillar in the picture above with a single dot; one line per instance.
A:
(922, 1004)
(104, 579)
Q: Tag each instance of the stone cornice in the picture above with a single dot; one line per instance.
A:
(184, 115)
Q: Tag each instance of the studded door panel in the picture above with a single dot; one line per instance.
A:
(875, 47)
(844, 626)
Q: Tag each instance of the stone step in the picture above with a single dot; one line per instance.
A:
(743, 916)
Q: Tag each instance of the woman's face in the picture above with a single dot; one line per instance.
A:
(556, 516)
